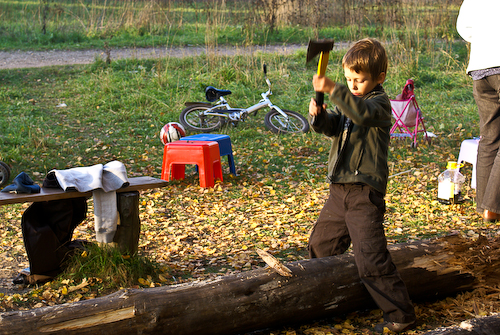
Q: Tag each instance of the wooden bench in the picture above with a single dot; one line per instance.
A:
(47, 194)
(127, 234)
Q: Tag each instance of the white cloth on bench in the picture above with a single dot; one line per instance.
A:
(103, 181)
(109, 177)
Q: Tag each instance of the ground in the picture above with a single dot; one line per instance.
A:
(25, 59)
(11, 265)
(482, 301)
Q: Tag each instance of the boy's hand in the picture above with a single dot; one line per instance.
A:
(323, 84)
(314, 110)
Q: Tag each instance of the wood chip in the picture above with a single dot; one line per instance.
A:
(274, 263)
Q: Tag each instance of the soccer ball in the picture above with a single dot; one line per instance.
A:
(171, 132)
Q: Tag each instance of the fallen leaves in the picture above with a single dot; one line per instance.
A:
(198, 233)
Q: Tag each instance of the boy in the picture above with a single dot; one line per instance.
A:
(357, 170)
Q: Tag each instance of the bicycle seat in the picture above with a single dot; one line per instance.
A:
(212, 93)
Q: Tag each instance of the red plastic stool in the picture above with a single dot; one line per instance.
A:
(205, 154)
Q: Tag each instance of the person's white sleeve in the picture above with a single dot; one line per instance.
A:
(465, 20)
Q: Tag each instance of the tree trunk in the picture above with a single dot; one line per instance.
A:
(251, 300)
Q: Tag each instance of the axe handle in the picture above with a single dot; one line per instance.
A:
(320, 99)
(323, 62)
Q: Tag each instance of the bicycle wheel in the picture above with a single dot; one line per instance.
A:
(193, 118)
(4, 173)
(278, 124)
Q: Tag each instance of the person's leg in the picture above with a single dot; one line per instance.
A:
(487, 96)
(364, 218)
(329, 235)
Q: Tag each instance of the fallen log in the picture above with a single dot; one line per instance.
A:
(488, 325)
(251, 300)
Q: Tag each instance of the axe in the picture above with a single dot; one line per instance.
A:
(321, 47)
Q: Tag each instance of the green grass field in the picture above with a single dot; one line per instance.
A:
(80, 24)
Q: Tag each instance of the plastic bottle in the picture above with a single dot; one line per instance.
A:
(450, 184)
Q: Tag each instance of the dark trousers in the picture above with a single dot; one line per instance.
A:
(487, 96)
(355, 213)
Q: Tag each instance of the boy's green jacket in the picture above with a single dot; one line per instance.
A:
(360, 133)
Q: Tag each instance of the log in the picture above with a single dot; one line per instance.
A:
(250, 300)
(488, 325)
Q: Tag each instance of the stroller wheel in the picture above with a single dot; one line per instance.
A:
(4, 173)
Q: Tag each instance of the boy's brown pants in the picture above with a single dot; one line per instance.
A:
(355, 213)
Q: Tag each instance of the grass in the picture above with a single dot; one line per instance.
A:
(131, 99)
(107, 266)
(83, 24)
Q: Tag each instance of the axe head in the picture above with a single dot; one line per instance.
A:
(317, 47)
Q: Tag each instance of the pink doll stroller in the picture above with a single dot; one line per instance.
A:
(408, 116)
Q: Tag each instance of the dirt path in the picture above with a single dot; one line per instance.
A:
(26, 59)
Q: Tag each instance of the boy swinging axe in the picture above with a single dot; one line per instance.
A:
(323, 48)
(358, 128)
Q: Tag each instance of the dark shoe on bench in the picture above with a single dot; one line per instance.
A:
(22, 184)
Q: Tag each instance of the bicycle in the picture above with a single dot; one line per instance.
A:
(207, 117)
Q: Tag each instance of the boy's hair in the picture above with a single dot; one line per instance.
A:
(366, 55)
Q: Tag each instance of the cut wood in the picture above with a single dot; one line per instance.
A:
(274, 263)
(251, 300)
(129, 228)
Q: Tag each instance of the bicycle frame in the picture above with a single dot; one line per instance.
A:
(235, 114)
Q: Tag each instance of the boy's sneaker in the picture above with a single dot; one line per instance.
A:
(392, 326)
